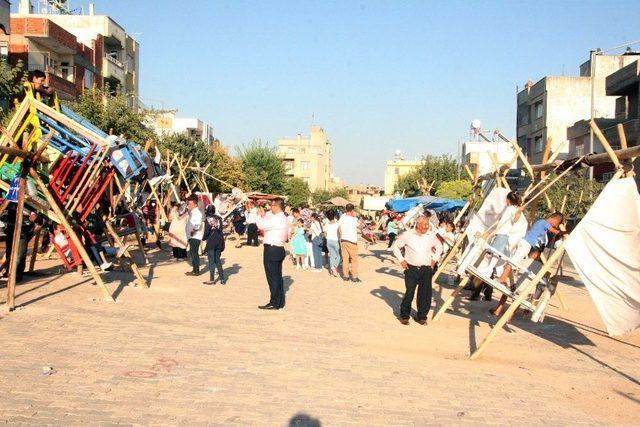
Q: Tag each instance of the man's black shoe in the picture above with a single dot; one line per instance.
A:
(191, 273)
(267, 307)
(346, 279)
(356, 280)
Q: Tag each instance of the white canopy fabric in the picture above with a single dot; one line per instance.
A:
(492, 207)
(605, 249)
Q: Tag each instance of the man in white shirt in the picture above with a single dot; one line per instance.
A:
(422, 249)
(195, 231)
(348, 234)
(251, 218)
(276, 231)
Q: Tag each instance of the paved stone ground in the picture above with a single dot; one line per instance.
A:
(182, 353)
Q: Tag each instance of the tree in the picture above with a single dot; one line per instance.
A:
(223, 166)
(433, 168)
(113, 113)
(10, 86)
(262, 167)
(580, 194)
(458, 189)
(297, 191)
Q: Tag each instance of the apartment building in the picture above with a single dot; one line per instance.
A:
(395, 169)
(546, 109)
(114, 54)
(165, 122)
(309, 158)
(623, 88)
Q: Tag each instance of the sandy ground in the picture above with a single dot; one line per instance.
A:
(183, 353)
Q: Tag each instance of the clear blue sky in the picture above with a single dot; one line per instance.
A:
(378, 75)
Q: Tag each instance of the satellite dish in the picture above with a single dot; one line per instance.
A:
(398, 153)
(476, 124)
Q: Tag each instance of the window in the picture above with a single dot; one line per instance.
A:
(4, 51)
(303, 150)
(579, 150)
(538, 111)
(290, 152)
(66, 70)
(304, 166)
(607, 176)
(538, 146)
(396, 171)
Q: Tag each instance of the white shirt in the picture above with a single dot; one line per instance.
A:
(195, 224)
(348, 226)
(251, 216)
(419, 249)
(332, 230)
(275, 227)
(506, 220)
(316, 229)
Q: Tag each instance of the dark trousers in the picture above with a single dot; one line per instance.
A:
(213, 256)
(252, 235)
(419, 277)
(272, 259)
(179, 253)
(392, 238)
(194, 247)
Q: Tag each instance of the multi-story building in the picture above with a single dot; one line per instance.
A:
(115, 53)
(395, 169)
(5, 12)
(41, 44)
(623, 87)
(165, 122)
(358, 192)
(547, 108)
(309, 158)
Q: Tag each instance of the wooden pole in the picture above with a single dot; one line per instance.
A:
(36, 244)
(622, 136)
(516, 303)
(15, 244)
(451, 254)
(605, 143)
(451, 298)
(72, 234)
(134, 267)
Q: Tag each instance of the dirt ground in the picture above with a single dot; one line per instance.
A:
(184, 353)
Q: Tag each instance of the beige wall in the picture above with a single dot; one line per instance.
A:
(308, 158)
(394, 170)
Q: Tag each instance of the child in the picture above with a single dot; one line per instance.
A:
(61, 241)
(299, 245)
(533, 256)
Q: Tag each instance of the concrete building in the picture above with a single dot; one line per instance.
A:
(358, 192)
(547, 108)
(5, 12)
(623, 87)
(116, 52)
(166, 122)
(309, 158)
(481, 154)
(395, 169)
(41, 44)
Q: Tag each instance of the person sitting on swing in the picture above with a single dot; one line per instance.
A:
(536, 237)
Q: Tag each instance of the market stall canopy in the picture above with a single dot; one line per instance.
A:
(437, 204)
(338, 201)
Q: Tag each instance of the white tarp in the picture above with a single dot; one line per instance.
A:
(605, 249)
(492, 207)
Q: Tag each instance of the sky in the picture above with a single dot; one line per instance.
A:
(378, 76)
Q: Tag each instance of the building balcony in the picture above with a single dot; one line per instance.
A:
(46, 33)
(65, 88)
(112, 69)
(624, 80)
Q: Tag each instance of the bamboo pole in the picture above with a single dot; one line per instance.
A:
(134, 267)
(15, 244)
(451, 298)
(516, 303)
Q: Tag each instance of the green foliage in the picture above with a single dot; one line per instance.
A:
(297, 191)
(113, 113)
(321, 196)
(433, 168)
(458, 189)
(10, 86)
(223, 166)
(579, 191)
(262, 167)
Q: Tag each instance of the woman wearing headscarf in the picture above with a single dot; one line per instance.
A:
(214, 238)
(179, 215)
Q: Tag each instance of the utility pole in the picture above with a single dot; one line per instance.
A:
(592, 69)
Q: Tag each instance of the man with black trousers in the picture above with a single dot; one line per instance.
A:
(251, 216)
(276, 228)
(422, 249)
(195, 232)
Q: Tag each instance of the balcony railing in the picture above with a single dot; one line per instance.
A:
(114, 61)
